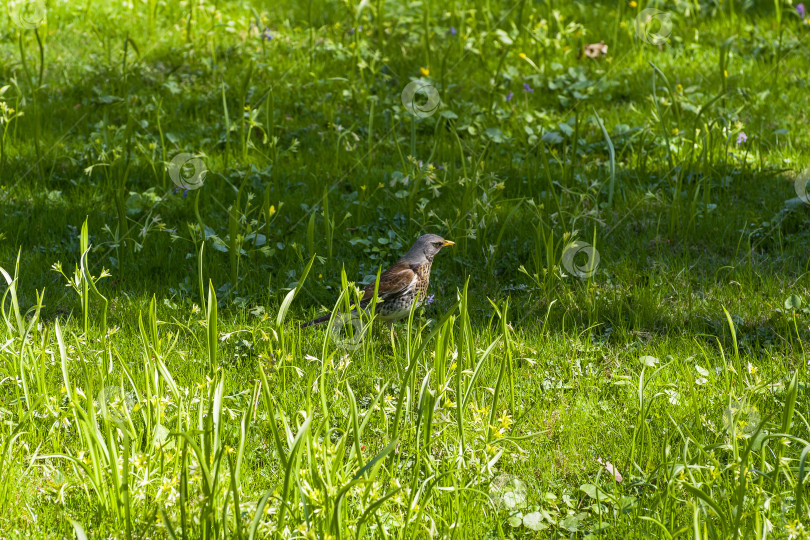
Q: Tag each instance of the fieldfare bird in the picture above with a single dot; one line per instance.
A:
(403, 283)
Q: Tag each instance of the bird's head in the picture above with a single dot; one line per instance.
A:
(429, 245)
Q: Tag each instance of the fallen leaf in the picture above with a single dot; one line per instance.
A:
(611, 469)
(594, 50)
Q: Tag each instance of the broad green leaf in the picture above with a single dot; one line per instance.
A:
(649, 361)
(534, 521)
(793, 302)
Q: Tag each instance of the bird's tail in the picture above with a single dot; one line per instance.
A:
(317, 321)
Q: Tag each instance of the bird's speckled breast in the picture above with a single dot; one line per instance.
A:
(401, 306)
(424, 279)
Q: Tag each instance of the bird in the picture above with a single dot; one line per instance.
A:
(407, 280)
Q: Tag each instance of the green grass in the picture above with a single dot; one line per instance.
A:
(155, 382)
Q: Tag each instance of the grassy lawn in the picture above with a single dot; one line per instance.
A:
(614, 348)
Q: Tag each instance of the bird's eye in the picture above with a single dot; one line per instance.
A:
(437, 244)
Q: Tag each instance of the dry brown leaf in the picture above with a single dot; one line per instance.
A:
(610, 469)
(594, 50)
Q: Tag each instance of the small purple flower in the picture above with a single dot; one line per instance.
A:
(800, 10)
(429, 300)
(528, 88)
(267, 36)
(510, 96)
(742, 137)
(185, 193)
(175, 191)
(453, 31)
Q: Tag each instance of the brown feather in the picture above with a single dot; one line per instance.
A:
(392, 282)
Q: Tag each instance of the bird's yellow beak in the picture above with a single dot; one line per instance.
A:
(448, 243)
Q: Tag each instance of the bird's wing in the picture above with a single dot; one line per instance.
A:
(394, 282)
